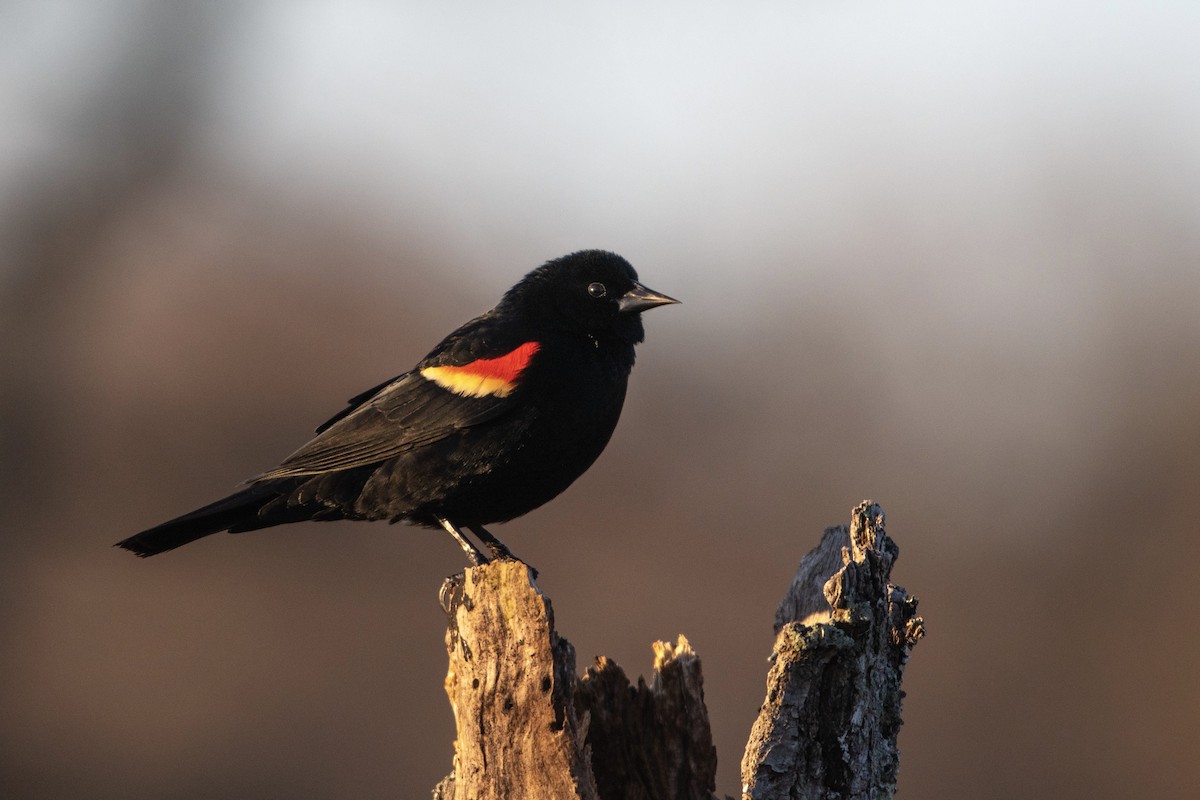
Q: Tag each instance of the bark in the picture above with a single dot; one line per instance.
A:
(528, 728)
(651, 741)
(829, 724)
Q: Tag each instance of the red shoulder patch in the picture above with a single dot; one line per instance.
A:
(485, 376)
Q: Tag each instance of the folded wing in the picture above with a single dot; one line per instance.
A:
(407, 413)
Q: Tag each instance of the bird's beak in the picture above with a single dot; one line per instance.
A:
(639, 298)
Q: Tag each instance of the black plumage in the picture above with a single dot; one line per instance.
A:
(502, 416)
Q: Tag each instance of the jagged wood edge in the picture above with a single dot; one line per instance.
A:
(829, 724)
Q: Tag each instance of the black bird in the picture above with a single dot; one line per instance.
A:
(498, 419)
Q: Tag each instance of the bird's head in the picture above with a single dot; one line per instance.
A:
(592, 291)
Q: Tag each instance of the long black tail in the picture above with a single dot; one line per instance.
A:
(238, 511)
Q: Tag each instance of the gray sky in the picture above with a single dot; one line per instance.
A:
(694, 135)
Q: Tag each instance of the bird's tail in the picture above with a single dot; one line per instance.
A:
(239, 511)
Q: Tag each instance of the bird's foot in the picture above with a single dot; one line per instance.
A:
(450, 595)
(497, 548)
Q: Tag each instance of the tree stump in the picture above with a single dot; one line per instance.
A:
(527, 727)
(512, 689)
(829, 724)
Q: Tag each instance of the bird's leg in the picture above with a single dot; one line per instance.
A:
(474, 554)
(494, 545)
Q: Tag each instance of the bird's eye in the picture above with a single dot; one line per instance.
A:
(597, 290)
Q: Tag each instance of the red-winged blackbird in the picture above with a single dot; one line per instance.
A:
(500, 418)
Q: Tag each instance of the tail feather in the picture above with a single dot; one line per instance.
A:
(238, 511)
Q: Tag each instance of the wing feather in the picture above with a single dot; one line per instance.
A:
(407, 413)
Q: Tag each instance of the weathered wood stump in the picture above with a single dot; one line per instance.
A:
(527, 727)
(829, 724)
(512, 689)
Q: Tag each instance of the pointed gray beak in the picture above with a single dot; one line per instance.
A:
(639, 298)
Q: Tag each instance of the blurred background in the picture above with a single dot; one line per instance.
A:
(942, 255)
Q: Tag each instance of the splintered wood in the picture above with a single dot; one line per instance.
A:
(528, 728)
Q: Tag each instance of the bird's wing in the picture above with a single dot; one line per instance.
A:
(452, 389)
(483, 337)
(354, 402)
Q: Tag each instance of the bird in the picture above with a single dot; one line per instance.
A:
(498, 419)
